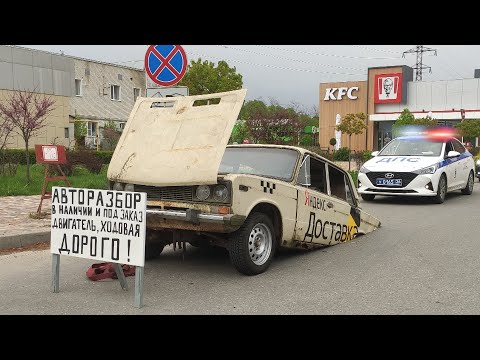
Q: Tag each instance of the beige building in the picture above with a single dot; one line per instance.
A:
(44, 73)
(83, 89)
(104, 92)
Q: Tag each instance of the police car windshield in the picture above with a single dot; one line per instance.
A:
(271, 162)
(412, 147)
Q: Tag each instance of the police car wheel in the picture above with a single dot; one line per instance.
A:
(469, 187)
(253, 246)
(441, 190)
(368, 197)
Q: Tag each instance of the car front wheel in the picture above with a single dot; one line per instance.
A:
(441, 190)
(469, 187)
(253, 246)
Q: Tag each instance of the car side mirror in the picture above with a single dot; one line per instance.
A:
(452, 154)
(374, 153)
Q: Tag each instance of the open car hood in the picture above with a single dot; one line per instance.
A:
(180, 144)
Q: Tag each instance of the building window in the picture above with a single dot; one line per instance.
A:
(115, 92)
(78, 87)
(67, 133)
(92, 129)
(136, 94)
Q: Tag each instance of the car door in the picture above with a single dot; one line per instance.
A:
(347, 214)
(451, 167)
(318, 220)
(463, 161)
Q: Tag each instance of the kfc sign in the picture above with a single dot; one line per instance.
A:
(339, 93)
(388, 88)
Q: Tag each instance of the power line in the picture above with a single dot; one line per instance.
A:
(419, 67)
(377, 49)
(290, 59)
(277, 67)
(331, 55)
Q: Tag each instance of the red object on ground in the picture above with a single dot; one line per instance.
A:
(107, 271)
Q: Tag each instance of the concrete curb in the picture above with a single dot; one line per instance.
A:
(15, 241)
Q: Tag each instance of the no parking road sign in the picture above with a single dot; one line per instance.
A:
(165, 64)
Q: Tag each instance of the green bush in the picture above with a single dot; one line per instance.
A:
(104, 156)
(17, 156)
(341, 154)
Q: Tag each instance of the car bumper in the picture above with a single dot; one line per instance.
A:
(421, 185)
(191, 219)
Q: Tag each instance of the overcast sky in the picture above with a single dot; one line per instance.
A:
(292, 73)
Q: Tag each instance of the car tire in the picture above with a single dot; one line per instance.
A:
(469, 187)
(441, 190)
(368, 197)
(253, 246)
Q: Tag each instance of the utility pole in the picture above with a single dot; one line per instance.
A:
(419, 67)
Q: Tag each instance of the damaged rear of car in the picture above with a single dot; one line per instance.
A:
(247, 198)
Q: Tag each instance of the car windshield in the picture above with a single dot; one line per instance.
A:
(270, 162)
(412, 147)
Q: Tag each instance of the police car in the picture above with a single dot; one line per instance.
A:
(420, 165)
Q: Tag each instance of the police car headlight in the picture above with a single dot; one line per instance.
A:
(427, 170)
(364, 170)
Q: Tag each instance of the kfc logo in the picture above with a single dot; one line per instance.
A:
(388, 88)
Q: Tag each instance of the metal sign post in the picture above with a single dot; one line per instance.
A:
(102, 225)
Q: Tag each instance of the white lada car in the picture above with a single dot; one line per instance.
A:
(418, 166)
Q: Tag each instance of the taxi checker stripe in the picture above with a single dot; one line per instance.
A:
(165, 61)
(267, 188)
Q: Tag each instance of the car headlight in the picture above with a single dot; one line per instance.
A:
(129, 187)
(118, 186)
(426, 170)
(220, 193)
(203, 192)
(364, 170)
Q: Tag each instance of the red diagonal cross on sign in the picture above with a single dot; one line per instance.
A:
(166, 61)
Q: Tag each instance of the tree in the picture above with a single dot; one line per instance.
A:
(79, 132)
(5, 132)
(27, 112)
(406, 118)
(240, 132)
(333, 142)
(277, 126)
(352, 124)
(111, 135)
(203, 77)
(469, 128)
(252, 107)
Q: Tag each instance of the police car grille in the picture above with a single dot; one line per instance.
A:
(405, 176)
(168, 193)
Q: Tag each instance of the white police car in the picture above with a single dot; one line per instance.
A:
(418, 166)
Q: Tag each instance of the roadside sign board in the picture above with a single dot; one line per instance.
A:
(102, 225)
(50, 154)
(165, 65)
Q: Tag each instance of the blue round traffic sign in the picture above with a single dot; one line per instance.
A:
(165, 64)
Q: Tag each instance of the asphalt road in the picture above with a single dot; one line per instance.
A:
(423, 260)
